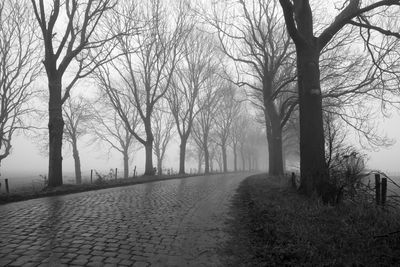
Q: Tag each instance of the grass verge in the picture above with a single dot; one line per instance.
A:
(272, 225)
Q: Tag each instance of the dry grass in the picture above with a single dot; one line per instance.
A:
(274, 225)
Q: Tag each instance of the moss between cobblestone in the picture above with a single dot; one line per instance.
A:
(70, 188)
(272, 225)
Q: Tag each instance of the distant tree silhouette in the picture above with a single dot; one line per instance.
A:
(19, 67)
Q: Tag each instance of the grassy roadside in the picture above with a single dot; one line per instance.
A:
(272, 225)
(71, 188)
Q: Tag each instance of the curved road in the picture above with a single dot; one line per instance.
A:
(167, 223)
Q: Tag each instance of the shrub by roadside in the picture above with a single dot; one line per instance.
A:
(274, 225)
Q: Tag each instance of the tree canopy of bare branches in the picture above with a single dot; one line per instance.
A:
(253, 36)
(70, 35)
(108, 127)
(142, 74)
(196, 67)
(77, 114)
(19, 67)
(229, 108)
(300, 26)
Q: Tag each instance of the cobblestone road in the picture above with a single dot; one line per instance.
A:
(168, 223)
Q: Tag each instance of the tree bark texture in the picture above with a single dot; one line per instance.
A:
(312, 147)
(56, 127)
(126, 165)
(159, 165)
(77, 161)
(149, 169)
(275, 151)
(224, 158)
(182, 155)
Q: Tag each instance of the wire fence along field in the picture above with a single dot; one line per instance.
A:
(22, 184)
(391, 190)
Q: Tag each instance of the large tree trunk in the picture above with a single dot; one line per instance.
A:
(56, 127)
(149, 169)
(234, 158)
(159, 165)
(199, 163)
(126, 165)
(182, 155)
(275, 152)
(77, 161)
(274, 132)
(224, 158)
(312, 149)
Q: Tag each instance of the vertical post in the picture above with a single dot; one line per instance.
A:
(134, 172)
(116, 173)
(91, 176)
(7, 188)
(384, 191)
(378, 189)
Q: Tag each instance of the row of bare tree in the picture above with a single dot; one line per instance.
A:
(188, 66)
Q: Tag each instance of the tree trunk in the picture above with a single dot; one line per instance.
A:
(274, 131)
(182, 154)
(224, 160)
(126, 165)
(250, 163)
(56, 127)
(149, 169)
(77, 161)
(206, 159)
(275, 151)
(243, 160)
(159, 165)
(312, 149)
(234, 158)
(199, 162)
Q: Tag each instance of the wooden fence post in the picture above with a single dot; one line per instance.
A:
(7, 188)
(116, 173)
(134, 172)
(91, 176)
(378, 189)
(384, 191)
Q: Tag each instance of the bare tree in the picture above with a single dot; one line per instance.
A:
(205, 121)
(109, 128)
(253, 36)
(19, 67)
(77, 115)
(163, 124)
(228, 108)
(143, 73)
(238, 132)
(195, 151)
(69, 38)
(190, 77)
(299, 21)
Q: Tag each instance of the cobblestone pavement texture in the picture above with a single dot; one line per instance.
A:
(167, 223)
